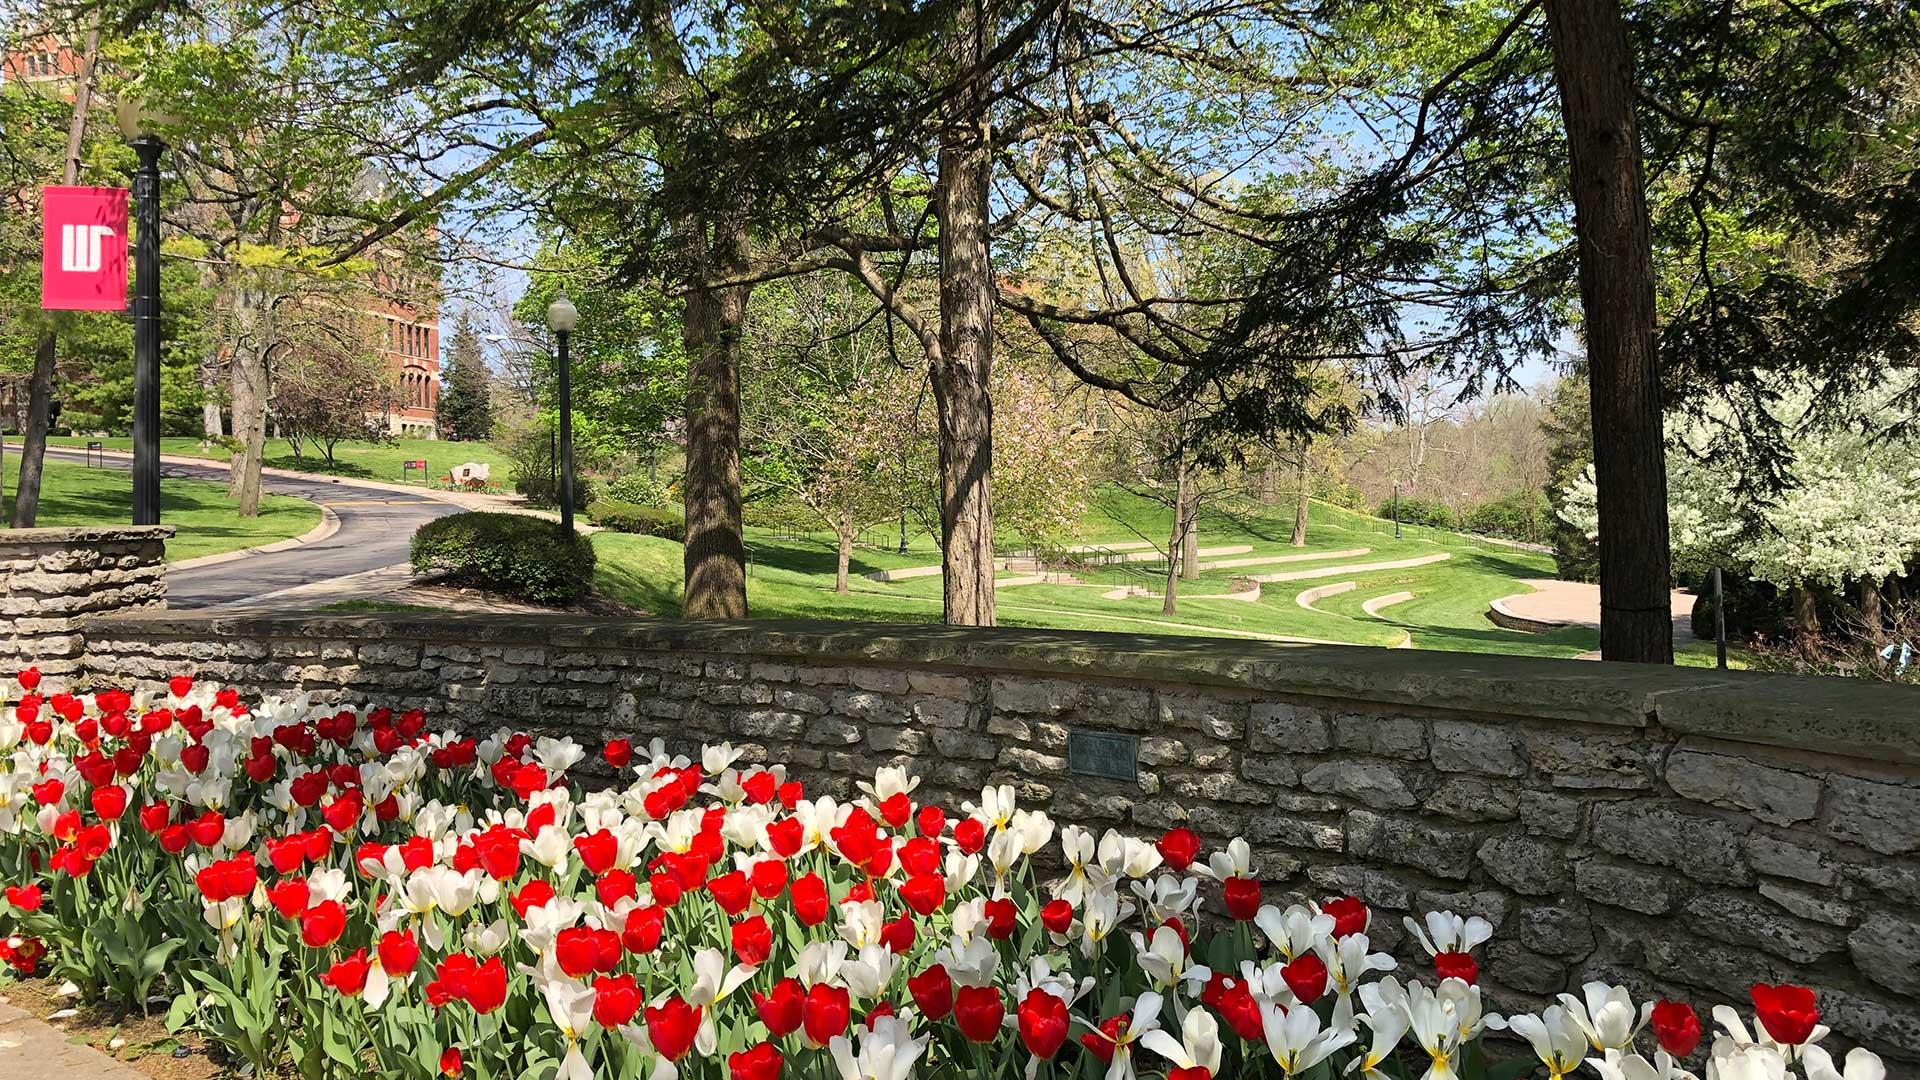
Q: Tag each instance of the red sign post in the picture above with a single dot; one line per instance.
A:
(83, 261)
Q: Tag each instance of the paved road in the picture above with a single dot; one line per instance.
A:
(375, 527)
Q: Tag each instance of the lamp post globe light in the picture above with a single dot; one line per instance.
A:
(562, 316)
(134, 121)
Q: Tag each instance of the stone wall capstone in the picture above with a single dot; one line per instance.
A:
(51, 579)
(1686, 833)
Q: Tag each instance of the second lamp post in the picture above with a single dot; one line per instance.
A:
(562, 316)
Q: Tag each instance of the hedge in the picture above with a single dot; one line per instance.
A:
(513, 554)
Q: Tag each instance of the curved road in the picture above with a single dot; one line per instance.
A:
(375, 527)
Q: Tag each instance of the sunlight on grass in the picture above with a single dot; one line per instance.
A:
(76, 495)
(791, 576)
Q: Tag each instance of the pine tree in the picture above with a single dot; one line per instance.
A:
(466, 389)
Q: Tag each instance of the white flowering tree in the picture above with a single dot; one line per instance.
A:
(1850, 513)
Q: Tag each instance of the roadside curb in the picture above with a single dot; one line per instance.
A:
(329, 524)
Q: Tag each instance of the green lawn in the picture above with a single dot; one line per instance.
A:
(792, 577)
(368, 461)
(76, 495)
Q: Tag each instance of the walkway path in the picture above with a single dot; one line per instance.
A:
(32, 1049)
(376, 526)
(1577, 603)
(1268, 560)
(1353, 568)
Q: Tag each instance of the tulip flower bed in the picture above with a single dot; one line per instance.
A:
(346, 893)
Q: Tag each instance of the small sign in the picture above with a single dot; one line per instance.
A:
(1103, 754)
(420, 464)
(83, 256)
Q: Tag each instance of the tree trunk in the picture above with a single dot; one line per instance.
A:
(1190, 534)
(845, 535)
(210, 419)
(960, 376)
(249, 395)
(1177, 539)
(716, 552)
(33, 448)
(1593, 67)
(1806, 617)
(1300, 498)
(1872, 611)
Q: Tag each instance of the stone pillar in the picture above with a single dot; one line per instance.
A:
(51, 579)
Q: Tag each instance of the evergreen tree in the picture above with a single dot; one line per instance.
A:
(466, 388)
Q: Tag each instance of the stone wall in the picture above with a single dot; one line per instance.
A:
(51, 579)
(1685, 832)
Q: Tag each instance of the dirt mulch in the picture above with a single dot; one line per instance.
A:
(141, 1042)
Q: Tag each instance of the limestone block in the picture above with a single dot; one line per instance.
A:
(1774, 795)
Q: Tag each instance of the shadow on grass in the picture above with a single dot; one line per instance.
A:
(317, 465)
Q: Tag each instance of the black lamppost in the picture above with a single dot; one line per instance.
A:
(146, 313)
(562, 316)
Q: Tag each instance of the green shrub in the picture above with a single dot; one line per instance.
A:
(1418, 511)
(641, 490)
(514, 554)
(629, 517)
(1520, 515)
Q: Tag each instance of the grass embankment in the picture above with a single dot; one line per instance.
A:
(73, 494)
(366, 461)
(792, 577)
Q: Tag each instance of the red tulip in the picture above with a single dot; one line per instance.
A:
(24, 897)
(1179, 847)
(809, 899)
(932, 991)
(1192, 1072)
(780, 1010)
(576, 951)
(924, 893)
(1243, 898)
(930, 822)
(825, 1013)
(450, 1062)
(1677, 1027)
(671, 1026)
(487, 987)
(348, 974)
(289, 897)
(323, 924)
(179, 685)
(752, 941)
(1306, 976)
(1043, 1023)
(1057, 916)
(618, 752)
(769, 877)
(759, 1062)
(399, 952)
(153, 817)
(1350, 915)
(1102, 1048)
(896, 810)
(978, 1010)
(1456, 965)
(731, 891)
(109, 802)
(1788, 1012)
(643, 929)
(971, 835)
(533, 894)
(1000, 918)
(597, 850)
(898, 935)
(28, 679)
(785, 836)
(616, 998)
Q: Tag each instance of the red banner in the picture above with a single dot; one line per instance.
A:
(83, 259)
